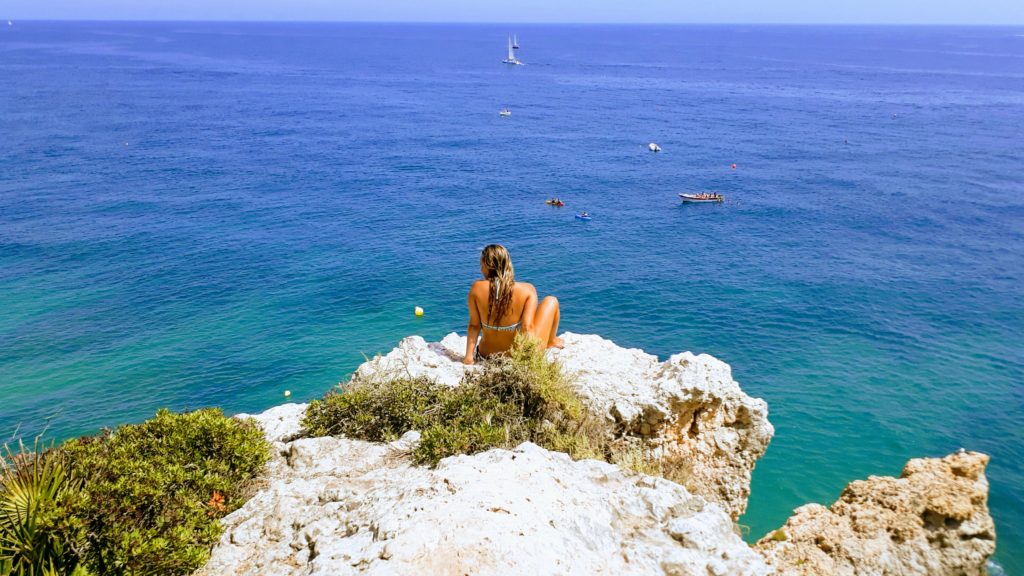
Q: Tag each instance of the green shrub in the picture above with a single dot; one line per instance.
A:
(511, 399)
(153, 492)
(380, 413)
(468, 419)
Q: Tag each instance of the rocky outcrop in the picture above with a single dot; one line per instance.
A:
(688, 408)
(341, 506)
(338, 506)
(932, 520)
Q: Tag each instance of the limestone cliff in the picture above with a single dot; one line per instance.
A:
(336, 506)
(342, 506)
(933, 519)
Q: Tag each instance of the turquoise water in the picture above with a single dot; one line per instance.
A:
(209, 214)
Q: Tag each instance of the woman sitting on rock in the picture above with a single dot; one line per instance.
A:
(500, 307)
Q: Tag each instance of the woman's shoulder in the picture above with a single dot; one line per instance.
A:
(525, 287)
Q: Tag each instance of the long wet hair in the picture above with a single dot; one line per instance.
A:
(501, 277)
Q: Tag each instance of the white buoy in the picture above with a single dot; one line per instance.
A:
(654, 147)
(419, 311)
(287, 393)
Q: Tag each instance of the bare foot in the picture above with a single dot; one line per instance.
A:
(556, 343)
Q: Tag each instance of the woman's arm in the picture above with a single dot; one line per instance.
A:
(473, 330)
(529, 311)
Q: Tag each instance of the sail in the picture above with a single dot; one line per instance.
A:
(511, 55)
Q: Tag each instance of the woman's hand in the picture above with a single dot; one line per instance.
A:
(468, 360)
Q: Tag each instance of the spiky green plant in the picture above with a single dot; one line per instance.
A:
(37, 537)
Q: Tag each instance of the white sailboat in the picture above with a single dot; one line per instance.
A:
(515, 42)
(511, 55)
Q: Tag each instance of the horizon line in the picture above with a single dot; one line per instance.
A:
(525, 23)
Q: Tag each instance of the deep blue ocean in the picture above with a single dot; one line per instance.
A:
(209, 214)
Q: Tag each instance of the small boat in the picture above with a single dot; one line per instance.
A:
(554, 202)
(583, 216)
(511, 59)
(515, 42)
(505, 112)
(654, 147)
(702, 198)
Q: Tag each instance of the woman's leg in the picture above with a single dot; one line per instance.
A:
(545, 322)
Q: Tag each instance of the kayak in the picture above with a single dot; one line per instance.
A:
(551, 203)
(702, 198)
(582, 217)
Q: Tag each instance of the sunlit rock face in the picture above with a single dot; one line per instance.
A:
(933, 519)
(338, 506)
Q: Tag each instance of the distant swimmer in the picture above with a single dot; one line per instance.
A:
(845, 141)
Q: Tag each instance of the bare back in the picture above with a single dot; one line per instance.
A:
(520, 311)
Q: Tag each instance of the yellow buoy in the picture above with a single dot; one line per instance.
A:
(419, 311)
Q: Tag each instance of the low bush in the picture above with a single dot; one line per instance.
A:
(511, 399)
(142, 499)
(154, 491)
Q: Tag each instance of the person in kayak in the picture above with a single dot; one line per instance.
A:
(500, 307)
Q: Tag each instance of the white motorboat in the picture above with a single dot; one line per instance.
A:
(702, 198)
(511, 59)
(505, 112)
(654, 147)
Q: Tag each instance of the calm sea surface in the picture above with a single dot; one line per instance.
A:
(209, 214)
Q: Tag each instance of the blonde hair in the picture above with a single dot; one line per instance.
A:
(501, 277)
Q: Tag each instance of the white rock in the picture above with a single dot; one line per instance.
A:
(414, 357)
(279, 423)
(351, 507)
(338, 506)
